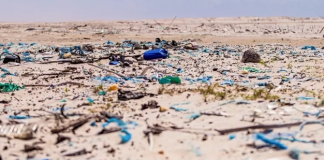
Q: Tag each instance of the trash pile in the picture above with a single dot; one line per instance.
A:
(134, 100)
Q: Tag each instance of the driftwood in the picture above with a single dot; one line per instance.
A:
(52, 74)
(72, 61)
(61, 138)
(157, 129)
(77, 153)
(30, 148)
(321, 30)
(109, 130)
(74, 123)
(78, 77)
(110, 115)
(107, 70)
(60, 84)
(62, 111)
(262, 126)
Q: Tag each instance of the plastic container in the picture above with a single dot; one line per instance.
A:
(156, 54)
(170, 79)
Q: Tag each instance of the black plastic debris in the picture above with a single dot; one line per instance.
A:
(150, 104)
(10, 58)
(128, 95)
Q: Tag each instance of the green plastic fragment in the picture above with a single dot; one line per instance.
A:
(250, 69)
(63, 100)
(9, 87)
(101, 93)
(170, 79)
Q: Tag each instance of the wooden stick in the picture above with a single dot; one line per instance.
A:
(321, 30)
(172, 21)
(71, 124)
(109, 130)
(262, 126)
(60, 84)
(158, 24)
(107, 70)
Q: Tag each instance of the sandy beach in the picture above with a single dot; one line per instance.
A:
(108, 101)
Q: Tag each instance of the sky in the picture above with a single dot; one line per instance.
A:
(91, 10)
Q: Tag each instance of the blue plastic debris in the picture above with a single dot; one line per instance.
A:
(59, 109)
(196, 150)
(111, 79)
(110, 43)
(282, 70)
(126, 137)
(194, 116)
(232, 136)
(119, 122)
(285, 79)
(19, 117)
(243, 102)
(271, 142)
(294, 154)
(26, 54)
(7, 72)
(93, 124)
(263, 78)
(156, 54)
(178, 109)
(77, 50)
(262, 84)
(205, 79)
(206, 50)
(309, 47)
(90, 100)
(224, 72)
(306, 98)
(228, 82)
(102, 93)
(113, 62)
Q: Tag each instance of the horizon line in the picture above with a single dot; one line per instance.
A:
(306, 17)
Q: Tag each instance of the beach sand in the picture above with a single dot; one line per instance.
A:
(195, 138)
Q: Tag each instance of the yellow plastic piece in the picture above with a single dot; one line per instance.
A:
(113, 88)
(163, 109)
(245, 72)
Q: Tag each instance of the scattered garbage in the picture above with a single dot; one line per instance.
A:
(156, 54)
(130, 88)
(309, 47)
(9, 87)
(169, 80)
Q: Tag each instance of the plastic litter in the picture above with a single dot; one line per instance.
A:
(90, 100)
(306, 98)
(102, 93)
(170, 80)
(309, 47)
(126, 137)
(9, 87)
(156, 54)
(113, 62)
(268, 88)
(19, 117)
(275, 143)
(232, 136)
